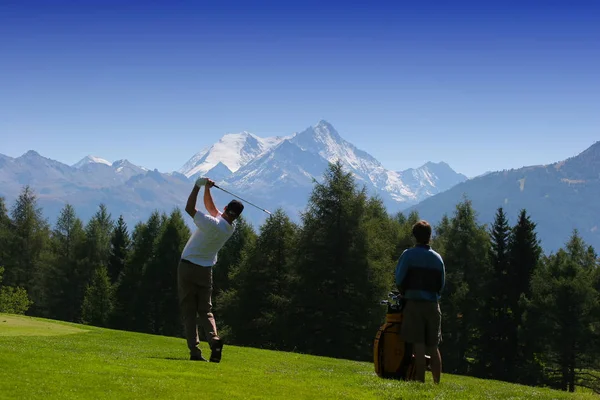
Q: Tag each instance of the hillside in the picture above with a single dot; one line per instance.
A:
(56, 360)
(560, 197)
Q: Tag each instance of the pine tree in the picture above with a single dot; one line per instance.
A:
(524, 256)
(440, 233)
(400, 218)
(119, 249)
(383, 239)
(98, 233)
(5, 233)
(339, 282)
(404, 238)
(466, 250)
(159, 281)
(255, 308)
(96, 250)
(97, 303)
(129, 311)
(563, 309)
(64, 279)
(28, 249)
(413, 218)
(230, 255)
(494, 338)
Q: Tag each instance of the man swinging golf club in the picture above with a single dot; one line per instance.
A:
(194, 273)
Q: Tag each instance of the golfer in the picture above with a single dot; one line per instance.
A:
(194, 273)
(420, 276)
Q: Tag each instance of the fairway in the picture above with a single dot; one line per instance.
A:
(12, 325)
(54, 360)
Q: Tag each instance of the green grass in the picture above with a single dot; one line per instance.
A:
(56, 360)
(14, 325)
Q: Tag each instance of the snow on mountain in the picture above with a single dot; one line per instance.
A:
(234, 150)
(284, 173)
(430, 178)
(285, 164)
(219, 172)
(89, 159)
(275, 172)
(324, 140)
(404, 187)
(124, 166)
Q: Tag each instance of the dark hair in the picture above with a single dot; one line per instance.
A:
(234, 208)
(422, 232)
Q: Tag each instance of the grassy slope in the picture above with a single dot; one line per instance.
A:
(56, 360)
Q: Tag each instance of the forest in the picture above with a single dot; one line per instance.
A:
(510, 312)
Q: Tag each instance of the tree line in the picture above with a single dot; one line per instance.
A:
(510, 312)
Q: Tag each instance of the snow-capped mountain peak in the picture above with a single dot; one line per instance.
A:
(121, 165)
(89, 159)
(233, 150)
(324, 140)
(284, 167)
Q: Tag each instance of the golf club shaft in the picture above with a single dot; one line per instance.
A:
(226, 191)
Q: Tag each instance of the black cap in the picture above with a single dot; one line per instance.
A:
(234, 208)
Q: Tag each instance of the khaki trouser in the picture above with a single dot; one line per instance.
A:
(195, 289)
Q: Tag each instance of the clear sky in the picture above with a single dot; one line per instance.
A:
(482, 85)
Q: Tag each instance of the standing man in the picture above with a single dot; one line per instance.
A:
(420, 276)
(194, 274)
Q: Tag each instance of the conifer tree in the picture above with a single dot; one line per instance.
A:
(230, 255)
(64, 279)
(339, 282)
(524, 253)
(97, 302)
(466, 249)
(28, 249)
(255, 308)
(413, 218)
(400, 218)
(403, 237)
(563, 310)
(129, 311)
(119, 249)
(98, 237)
(383, 239)
(494, 338)
(440, 233)
(159, 283)
(96, 250)
(5, 233)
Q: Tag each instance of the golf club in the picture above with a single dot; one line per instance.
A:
(226, 191)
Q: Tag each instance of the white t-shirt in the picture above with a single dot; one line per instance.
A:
(204, 244)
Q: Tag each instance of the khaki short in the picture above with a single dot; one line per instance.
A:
(422, 323)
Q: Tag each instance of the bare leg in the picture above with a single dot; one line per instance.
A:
(436, 364)
(419, 362)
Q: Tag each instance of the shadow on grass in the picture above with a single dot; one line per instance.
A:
(171, 358)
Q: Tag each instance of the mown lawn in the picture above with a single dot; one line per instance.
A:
(42, 359)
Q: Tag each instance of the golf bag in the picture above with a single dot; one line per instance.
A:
(393, 358)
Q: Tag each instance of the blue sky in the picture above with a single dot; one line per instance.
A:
(480, 85)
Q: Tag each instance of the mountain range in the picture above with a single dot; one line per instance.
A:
(559, 197)
(274, 172)
(278, 172)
